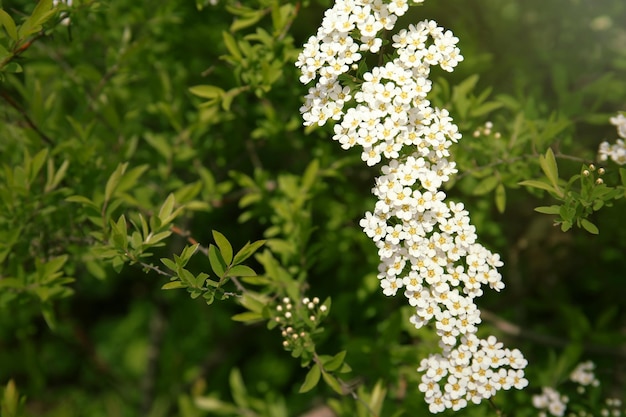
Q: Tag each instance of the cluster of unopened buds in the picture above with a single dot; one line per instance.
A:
(296, 322)
(617, 151)
(427, 245)
(486, 130)
(588, 171)
(552, 403)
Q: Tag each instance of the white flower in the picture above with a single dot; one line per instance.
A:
(426, 244)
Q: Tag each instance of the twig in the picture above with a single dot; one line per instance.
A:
(183, 233)
(155, 269)
(28, 120)
(516, 331)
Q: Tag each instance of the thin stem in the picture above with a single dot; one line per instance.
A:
(27, 119)
(547, 340)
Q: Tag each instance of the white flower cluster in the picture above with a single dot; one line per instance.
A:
(551, 401)
(426, 245)
(583, 375)
(617, 151)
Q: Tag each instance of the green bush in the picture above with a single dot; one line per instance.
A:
(153, 147)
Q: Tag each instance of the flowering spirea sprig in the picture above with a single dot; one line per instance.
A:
(553, 403)
(427, 246)
(617, 151)
(298, 323)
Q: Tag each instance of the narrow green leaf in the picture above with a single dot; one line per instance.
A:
(332, 382)
(41, 10)
(81, 200)
(548, 209)
(590, 227)
(130, 178)
(49, 316)
(201, 279)
(549, 167)
(206, 91)
(217, 262)
(114, 180)
(311, 379)
(310, 174)
(169, 263)
(215, 406)
(185, 276)
(231, 45)
(241, 271)
(167, 208)
(378, 397)
(335, 362)
(247, 20)
(55, 180)
(622, 175)
(237, 388)
(248, 317)
(224, 245)
(37, 163)
(486, 185)
(253, 301)
(173, 285)
(566, 225)
(9, 25)
(247, 251)
(500, 198)
(537, 184)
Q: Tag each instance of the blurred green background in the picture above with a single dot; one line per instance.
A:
(112, 86)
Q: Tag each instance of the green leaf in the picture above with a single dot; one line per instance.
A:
(486, 185)
(590, 227)
(332, 382)
(253, 301)
(43, 11)
(217, 262)
(224, 245)
(40, 12)
(81, 200)
(173, 285)
(37, 163)
(537, 184)
(241, 271)
(9, 25)
(248, 317)
(237, 388)
(311, 379)
(215, 406)
(54, 178)
(169, 263)
(548, 209)
(231, 45)
(114, 180)
(378, 397)
(206, 91)
(166, 209)
(550, 168)
(247, 251)
(500, 198)
(249, 19)
(485, 108)
(335, 362)
(310, 174)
